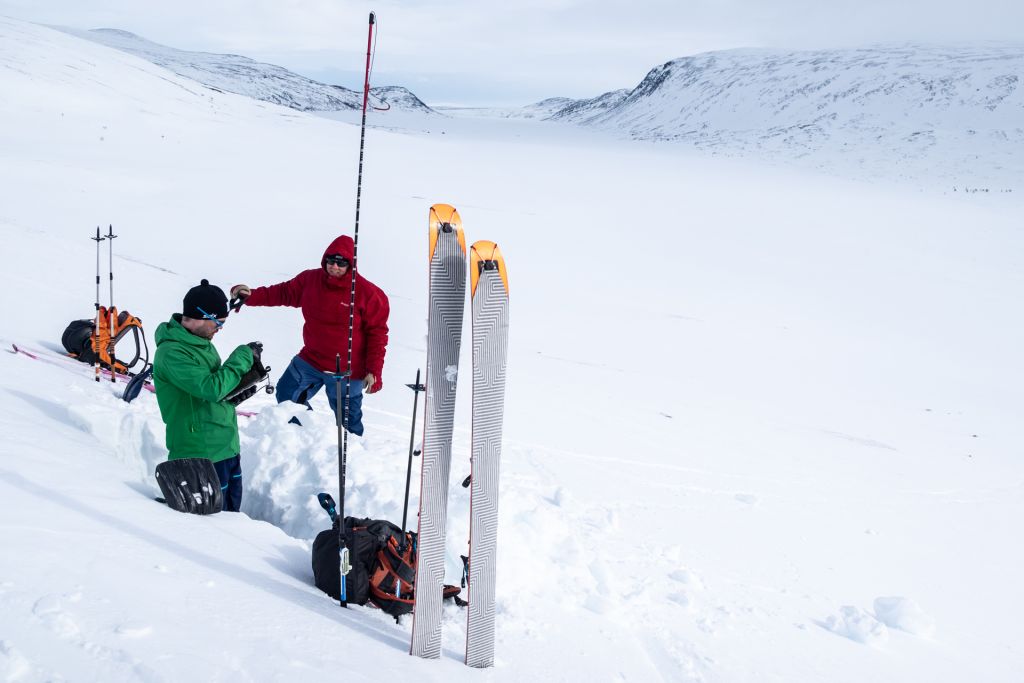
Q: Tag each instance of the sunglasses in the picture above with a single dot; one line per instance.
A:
(339, 261)
(210, 316)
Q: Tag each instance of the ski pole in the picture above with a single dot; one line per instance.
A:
(111, 311)
(96, 326)
(416, 389)
(343, 562)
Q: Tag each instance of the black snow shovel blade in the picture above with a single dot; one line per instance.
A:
(190, 485)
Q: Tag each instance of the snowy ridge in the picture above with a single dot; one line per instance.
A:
(585, 111)
(400, 98)
(544, 108)
(909, 107)
(244, 76)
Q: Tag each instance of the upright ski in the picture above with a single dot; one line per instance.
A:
(489, 292)
(447, 258)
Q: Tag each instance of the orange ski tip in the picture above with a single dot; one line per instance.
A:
(482, 252)
(443, 212)
(440, 214)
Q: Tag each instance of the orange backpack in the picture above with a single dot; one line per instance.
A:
(112, 329)
(90, 343)
(392, 582)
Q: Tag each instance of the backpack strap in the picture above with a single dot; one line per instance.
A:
(396, 564)
(452, 593)
(112, 328)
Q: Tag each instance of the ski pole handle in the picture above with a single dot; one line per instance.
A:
(327, 503)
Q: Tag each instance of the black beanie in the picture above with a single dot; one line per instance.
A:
(208, 297)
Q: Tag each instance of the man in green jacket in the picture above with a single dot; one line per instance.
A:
(191, 382)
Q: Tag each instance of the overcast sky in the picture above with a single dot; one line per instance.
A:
(520, 51)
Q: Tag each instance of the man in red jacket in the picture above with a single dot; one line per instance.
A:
(324, 294)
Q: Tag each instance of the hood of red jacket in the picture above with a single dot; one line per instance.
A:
(341, 245)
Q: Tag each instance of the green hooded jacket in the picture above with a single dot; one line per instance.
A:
(190, 383)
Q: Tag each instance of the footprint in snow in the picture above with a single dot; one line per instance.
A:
(687, 577)
(50, 611)
(598, 604)
(13, 664)
(562, 498)
(134, 630)
(680, 598)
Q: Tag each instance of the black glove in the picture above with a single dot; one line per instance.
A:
(257, 349)
(245, 395)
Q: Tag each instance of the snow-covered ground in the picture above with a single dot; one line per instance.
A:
(761, 424)
(537, 110)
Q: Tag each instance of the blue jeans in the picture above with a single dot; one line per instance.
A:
(301, 381)
(229, 472)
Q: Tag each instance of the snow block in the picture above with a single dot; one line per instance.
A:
(857, 625)
(904, 614)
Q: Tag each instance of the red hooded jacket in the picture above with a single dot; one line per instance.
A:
(324, 301)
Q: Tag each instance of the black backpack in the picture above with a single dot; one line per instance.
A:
(77, 340)
(362, 552)
(383, 567)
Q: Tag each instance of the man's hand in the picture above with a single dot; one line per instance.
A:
(368, 384)
(244, 396)
(257, 349)
(239, 293)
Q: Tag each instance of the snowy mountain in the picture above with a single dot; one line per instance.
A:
(585, 111)
(544, 108)
(400, 98)
(244, 76)
(953, 111)
(760, 423)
